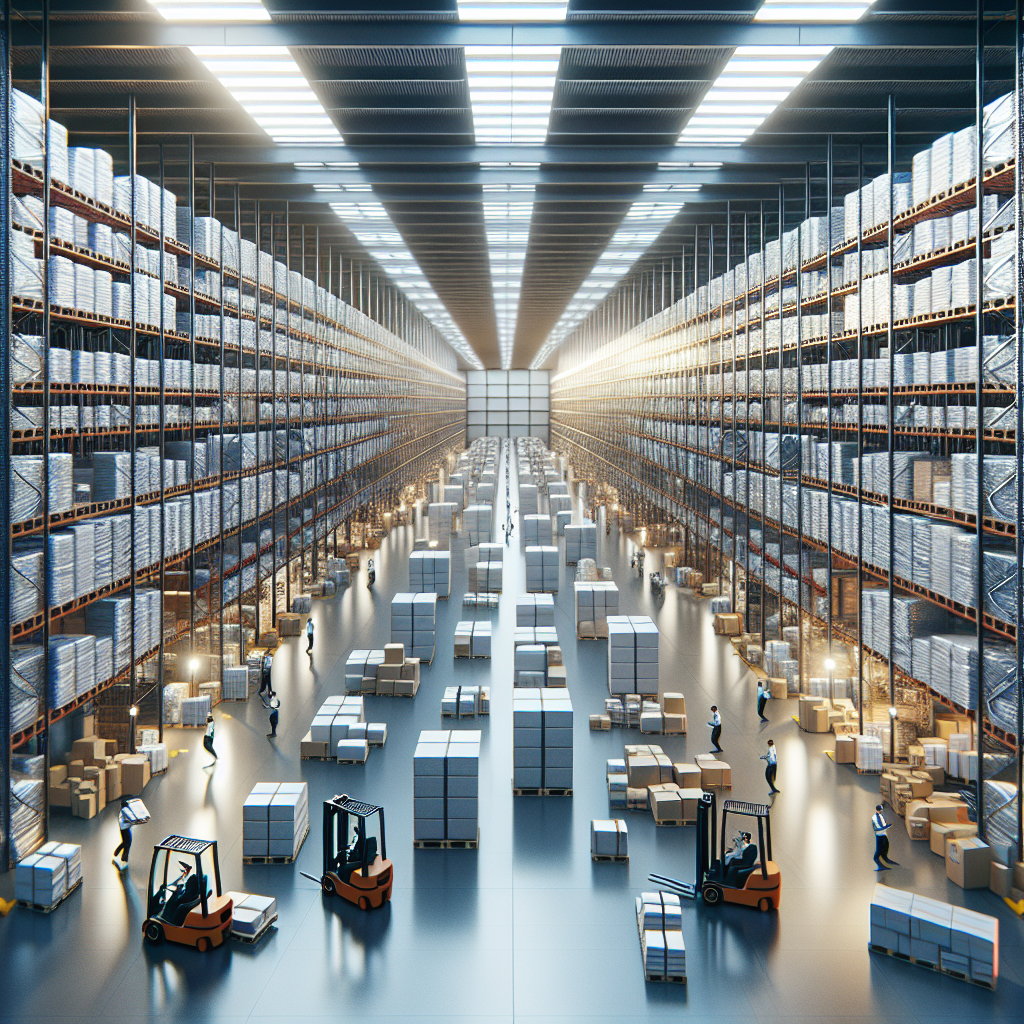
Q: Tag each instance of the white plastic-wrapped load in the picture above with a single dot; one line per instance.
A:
(26, 269)
(26, 685)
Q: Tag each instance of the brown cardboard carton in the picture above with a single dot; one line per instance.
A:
(585, 630)
(386, 687)
(600, 723)
(394, 654)
(391, 672)
(673, 704)
(85, 725)
(407, 687)
(1000, 878)
(411, 669)
(643, 771)
(554, 655)
(83, 805)
(686, 776)
(926, 472)
(779, 688)
(969, 862)
(88, 748)
(942, 832)
(673, 725)
(557, 676)
(728, 624)
(664, 766)
(134, 775)
(934, 772)
(310, 748)
(112, 780)
(690, 797)
(666, 806)
(636, 798)
(58, 773)
(1018, 874)
(60, 795)
(846, 750)
(75, 769)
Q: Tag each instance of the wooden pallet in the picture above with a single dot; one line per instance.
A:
(541, 792)
(610, 858)
(251, 940)
(447, 844)
(279, 860)
(677, 979)
(348, 760)
(39, 908)
(676, 824)
(929, 965)
(317, 757)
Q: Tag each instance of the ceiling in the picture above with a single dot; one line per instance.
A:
(630, 74)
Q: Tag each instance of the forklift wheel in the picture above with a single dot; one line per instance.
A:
(154, 933)
(328, 885)
(712, 895)
(764, 903)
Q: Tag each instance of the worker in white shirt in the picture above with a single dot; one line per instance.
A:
(125, 820)
(772, 757)
(881, 826)
(208, 741)
(763, 694)
(309, 636)
(716, 728)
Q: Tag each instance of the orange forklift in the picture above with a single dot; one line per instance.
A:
(183, 906)
(356, 867)
(747, 876)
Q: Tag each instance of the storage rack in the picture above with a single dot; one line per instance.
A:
(322, 417)
(682, 415)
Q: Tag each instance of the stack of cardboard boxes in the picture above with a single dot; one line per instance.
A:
(542, 569)
(536, 528)
(45, 877)
(441, 516)
(645, 765)
(659, 920)
(667, 718)
(609, 839)
(465, 701)
(414, 623)
(477, 521)
(96, 775)
(382, 673)
(446, 782)
(538, 665)
(473, 639)
(485, 578)
(542, 722)
(713, 772)
(594, 603)
(632, 655)
(528, 499)
(534, 610)
(430, 572)
(275, 819)
(580, 542)
(956, 941)
(728, 624)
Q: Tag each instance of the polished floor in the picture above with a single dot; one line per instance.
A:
(526, 928)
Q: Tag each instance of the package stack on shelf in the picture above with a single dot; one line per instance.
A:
(275, 821)
(542, 723)
(542, 569)
(446, 782)
(594, 603)
(534, 610)
(632, 655)
(477, 521)
(465, 701)
(473, 640)
(430, 572)
(580, 542)
(537, 530)
(659, 920)
(951, 939)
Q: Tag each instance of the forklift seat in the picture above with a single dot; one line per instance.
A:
(737, 873)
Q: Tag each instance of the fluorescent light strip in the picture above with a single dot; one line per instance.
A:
(510, 91)
(219, 10)
(812, 10)
(370, 224)
(508, 232)
(512, 10)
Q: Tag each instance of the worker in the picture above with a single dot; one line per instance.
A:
(309, 636)
(772, 757)
(740, 844)
(265, 668)
(208, 741)
(371, 574)
(632, 562)
(640, 560)
(763, 694)
(125, 820)
(881, 826)
(274, 705)
(716, 728)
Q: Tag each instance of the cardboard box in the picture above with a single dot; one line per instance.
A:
(714, 773)
(942, 832)
(1000, 878)
(728, 624)
(76, 769)
(58, 774)
(389, 671)
(310, 748)
(779, 688)
(969, 862)
(394, 654)
(554, 655)
(88, 748)
(60, 795)
(407, 687)
(600, 723)
(673, 704)
(686, 776)
(846, 749)
(410, 669)
(666, 805)
(643, 771)
(385, 687)
(134, 775)
(1018, 874)
(112, 780)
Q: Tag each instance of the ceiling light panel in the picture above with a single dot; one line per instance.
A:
(218, 10)
(513, 10)
(812, 10)
(508, 231)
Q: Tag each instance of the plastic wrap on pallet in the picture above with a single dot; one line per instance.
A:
(26, 805)
(27, 685)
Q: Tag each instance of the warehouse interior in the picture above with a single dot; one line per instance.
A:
(722, 301)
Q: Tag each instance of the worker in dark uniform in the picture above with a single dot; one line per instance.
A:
(881, 826)
(716, 728)
(772, 767)
(763, 694)
(274, 703)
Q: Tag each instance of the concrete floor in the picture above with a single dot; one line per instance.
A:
(526, 928)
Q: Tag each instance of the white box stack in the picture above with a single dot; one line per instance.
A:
(535, 610)
(401, 619)
(331, 723)
(559, 503)
(424, 624)
(580, 542)
(485, 578)
(530, 665)
(477, 521)
(446, 781)
(473, 640)
(536, 529)
(542, 569)
(954, 940)
(542, 724)
(234, 682)
(41, 880)
(528, 500)
(441, 517)
(454, 494)
(251, 914)
(465, 701)
(594, 603)
(563, 518)
(275, 819)
(659, 920)
(632, 655)
(609, 838)
(430, 572)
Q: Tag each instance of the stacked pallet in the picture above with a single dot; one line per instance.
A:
(537, 528)
(414, 623)
(609, 839)
(477, 521)
(465, 701)
(617, 781)
(542, 569)
(454, 494)
(44, 878)
(535, 610)
(251, 915)
(528, 500)
(441, 519)
(234, 682)
(430, 572)
(956, 941)
(485, 578)
(446, 780)
(632, 655)
(580, 542)
(384, 673)
(473, 640)
(595, 601)
(538, 665)
(275, 820)
(659, 921)
(541, 741)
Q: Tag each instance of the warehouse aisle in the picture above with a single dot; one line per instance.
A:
(526, 928)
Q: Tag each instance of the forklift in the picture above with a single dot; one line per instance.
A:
(750, 878)
(356, 867)
(182, 906)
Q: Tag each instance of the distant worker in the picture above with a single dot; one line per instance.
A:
(772, 767)
(371, 574)
(208, 741)
(265, 668)
(716, 728)
(309, 636)
(125, 820)
(881, 826)
(763, 694)
(632, 562)
(274, 705)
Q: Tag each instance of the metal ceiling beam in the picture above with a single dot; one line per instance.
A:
(71, 33)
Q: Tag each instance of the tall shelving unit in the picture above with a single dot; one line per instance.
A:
(213, 447)
(771, 418)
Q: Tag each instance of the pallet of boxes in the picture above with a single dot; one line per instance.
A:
(595, 601)
(651, 781)
(465, 701)
(44, 879)
(97, 775)
(340, 732)
(542, 741)
(938, 936)
(414, 624)
(632, 655)
(275, 822)
(659, 920)
(472, 639)
(609, 840)
(446, 784)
